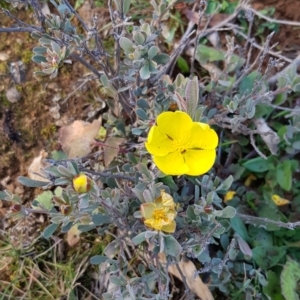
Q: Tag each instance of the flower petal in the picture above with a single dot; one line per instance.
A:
(199, 161)
(203, 137)
(171, 214)
(171, 164)
(147, 210)
(170, 228)
(175, 124)
(158, 142)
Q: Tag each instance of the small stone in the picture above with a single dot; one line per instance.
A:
(3, 56)
(54, 111)
(13, 95)
(56, 98)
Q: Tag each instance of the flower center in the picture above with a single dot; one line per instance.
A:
(160, 214)
(181, 145)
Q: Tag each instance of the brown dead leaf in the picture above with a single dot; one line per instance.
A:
(73, 236)
(37, 164)
(76, 139)
(194, 283)
(111, 149)
(213, 21)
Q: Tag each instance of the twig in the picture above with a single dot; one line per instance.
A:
(294, 110)
(222, 264)
(203, 5)
(18, 29)
(108, 175)
(78, 88)
(165, 11)
(294, 63)
(86, 64)
(261, 48)
(184, 41)
(271, 20)
(77, 15)
(252, 141)
(265, 221)
(7, 12)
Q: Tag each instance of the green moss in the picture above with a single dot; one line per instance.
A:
(26, 56)
(3, 67)
(17, 49)
(48, 131)
(4, 100)
(109, 44)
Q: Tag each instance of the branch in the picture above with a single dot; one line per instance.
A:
(19, 29)
(271, 20)
(265, 221)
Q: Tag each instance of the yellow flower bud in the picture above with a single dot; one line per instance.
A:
(82, 183)
(229, 195)
(279, 201)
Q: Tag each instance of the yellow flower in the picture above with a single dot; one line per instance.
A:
(82, 183)
(180, 146)
(280, 201)
(160, 214)
(229, 195)
(249, 180)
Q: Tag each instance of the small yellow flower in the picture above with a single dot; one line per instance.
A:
(160, 214)
(180, 146)
(280, 201)
(229, 195)
(249, 180)
(82, 183)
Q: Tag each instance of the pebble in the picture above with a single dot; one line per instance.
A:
(3, 56)
(13, 95)
(54, 111)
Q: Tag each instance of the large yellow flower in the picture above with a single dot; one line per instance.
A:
(160, 214)
(180, 146)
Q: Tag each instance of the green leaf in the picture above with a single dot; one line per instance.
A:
(284, 175)
(145, 72)
(31, 183)
(139, 38)
(272, 290)
(192, 96)
(141, 237)
(257, 164)
(86, 228)
(183, 65)
(240, 228)
(206, 54)
(141, 114)
(228, 212)
(98, 259)
(247, 83)
(126, 44)
(172, 247)
(59, 155)
(100, 219)
(289, 279)
(45, 199)
(39, 58)
(296, 84)
(39, 50)
(126, 6)
(225, 185)
(169, 181)
(49, 230)
(161, 59)
(267, 257)
(153, 51)
(142, 103)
